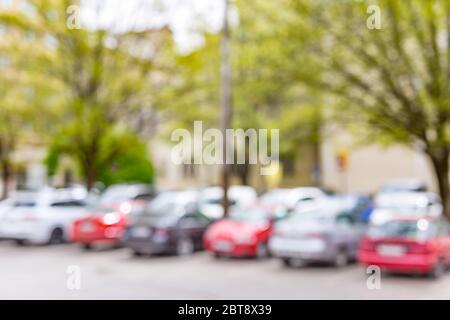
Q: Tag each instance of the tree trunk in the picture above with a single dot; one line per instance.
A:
(6, 173)
(243, 172)
(89, 172)
(90, 177)
(226, 102)
(440, 164)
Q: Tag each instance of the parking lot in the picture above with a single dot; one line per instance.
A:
(41, 273)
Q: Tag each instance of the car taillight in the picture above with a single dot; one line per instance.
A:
(367, 244)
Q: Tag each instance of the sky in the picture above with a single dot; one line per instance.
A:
(188, 19)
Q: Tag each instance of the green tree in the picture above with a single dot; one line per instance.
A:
(103, 79)
(265, 95)
(394, 80)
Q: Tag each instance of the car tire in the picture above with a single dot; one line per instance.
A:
(217, 255)
(286, 262)
(137, 253)
(86, 246)
(438, 270)
(56, 236)
(21, 242)
(341, 259)
(184, 247)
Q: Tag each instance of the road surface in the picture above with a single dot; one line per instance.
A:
(47, 273)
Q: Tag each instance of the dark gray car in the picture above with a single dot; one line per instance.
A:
(172, 224)
(328, 234)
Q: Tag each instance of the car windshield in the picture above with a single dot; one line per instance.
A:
(403, 229)
(24, 203)
(252, 215)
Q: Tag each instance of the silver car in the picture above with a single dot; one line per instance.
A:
(327, 234)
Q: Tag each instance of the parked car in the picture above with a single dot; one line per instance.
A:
(360, 205)
(171, 223)
(245, 233)
(326, 234)
(41, 217)
(304, 198)
(116, 195)
(392, 205)
(105, 224)
(210, 201)
(403, 185)
(408, 245)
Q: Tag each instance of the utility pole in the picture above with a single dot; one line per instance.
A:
(226, 103)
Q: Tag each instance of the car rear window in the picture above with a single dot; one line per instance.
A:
(421, 229)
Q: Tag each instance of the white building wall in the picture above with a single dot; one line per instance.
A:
(369, 166)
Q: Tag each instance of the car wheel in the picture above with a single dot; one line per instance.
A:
(286, 262)
(56, 237)
(185, 247)
(137, 253)
(341, 259)
(21, 242)
(262, 251)
(217, 255)
(438, 270)
(86, 246)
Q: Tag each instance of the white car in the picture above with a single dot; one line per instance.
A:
(210, 201)
(392, 205)
(43, 217)
(295, 199)
(403, 185)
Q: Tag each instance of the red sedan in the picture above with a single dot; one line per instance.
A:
(409, 246)
(245, 233)
(106, 225)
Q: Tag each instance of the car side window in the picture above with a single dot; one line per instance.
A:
(345, 220)
(69, 203)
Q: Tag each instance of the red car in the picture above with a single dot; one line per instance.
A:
(408, 246)
(107, 224)
(245, 233)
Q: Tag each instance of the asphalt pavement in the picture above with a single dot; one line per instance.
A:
(68, 272)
